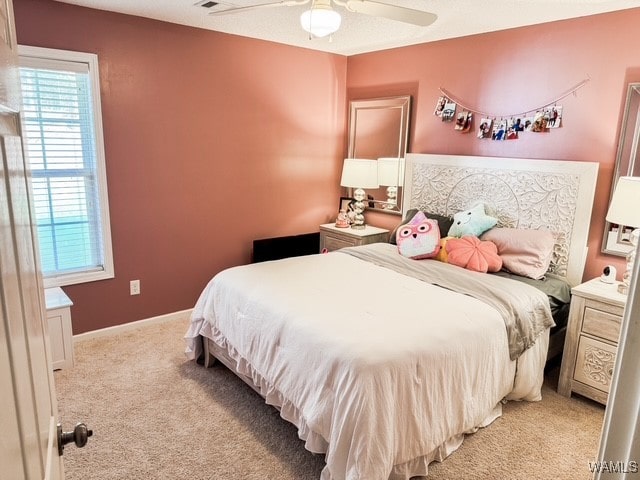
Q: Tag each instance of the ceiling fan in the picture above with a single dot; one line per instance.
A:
(322, 20)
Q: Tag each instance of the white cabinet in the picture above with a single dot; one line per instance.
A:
(60, 332)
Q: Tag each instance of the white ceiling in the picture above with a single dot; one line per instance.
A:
(360, 33)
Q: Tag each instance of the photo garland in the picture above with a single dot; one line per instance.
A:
(501, 127)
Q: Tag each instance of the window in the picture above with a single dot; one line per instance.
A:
(62, 129)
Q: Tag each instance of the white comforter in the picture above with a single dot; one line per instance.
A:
(380, 371)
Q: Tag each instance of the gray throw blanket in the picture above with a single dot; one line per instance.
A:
(524, 308)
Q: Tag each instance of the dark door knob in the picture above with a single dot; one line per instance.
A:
(79, 436)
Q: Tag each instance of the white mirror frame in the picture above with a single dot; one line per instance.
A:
(399, 131)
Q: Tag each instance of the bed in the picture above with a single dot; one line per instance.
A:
(384, 363)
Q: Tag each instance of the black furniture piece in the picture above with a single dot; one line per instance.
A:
(265, 249)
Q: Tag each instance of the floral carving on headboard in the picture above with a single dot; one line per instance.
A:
(518, 199)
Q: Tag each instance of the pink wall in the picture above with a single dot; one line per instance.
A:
(515, 70)
(211, 140)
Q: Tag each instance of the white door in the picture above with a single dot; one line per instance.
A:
(28, 445)
(28, 419)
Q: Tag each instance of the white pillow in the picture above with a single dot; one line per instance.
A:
(524, 252)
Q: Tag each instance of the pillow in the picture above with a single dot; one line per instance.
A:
(420, 238)
(444, 223)
(473, 254)
(524, 252)
(471, 222)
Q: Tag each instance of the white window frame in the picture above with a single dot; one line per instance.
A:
(91, 60)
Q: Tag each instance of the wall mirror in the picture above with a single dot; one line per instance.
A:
(616, 237)
(378, 130)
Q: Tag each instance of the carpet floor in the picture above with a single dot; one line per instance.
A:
(156, 415)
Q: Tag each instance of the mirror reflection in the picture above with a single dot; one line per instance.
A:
(378, 130)
(617, 238)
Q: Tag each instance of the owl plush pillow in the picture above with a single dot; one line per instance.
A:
(444, 222)
(471, 222)
(420, 238)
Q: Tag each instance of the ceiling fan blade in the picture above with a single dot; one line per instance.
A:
(393, 12)
(283, 3)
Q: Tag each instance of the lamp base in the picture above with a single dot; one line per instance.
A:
(358, 207)
(358, 221)
(631, 257)
(392, 198)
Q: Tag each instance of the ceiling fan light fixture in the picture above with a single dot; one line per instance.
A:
(320, 20)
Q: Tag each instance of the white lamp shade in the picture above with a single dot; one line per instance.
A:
(320, 21)
(624, 208)
(390, 171)
(359, 173)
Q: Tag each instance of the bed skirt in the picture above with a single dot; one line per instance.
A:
(218, 348)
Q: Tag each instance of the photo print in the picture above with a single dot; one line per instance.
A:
(499, 130)
(442, 101)
(518, 124)
(539, 122)
(527, 123)
(449, 111)
(514, 125)
(463, 121)
(484, 130)
(553, 115)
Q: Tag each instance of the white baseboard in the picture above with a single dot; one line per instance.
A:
(117, 329)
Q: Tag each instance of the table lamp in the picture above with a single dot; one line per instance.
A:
(359, 173)
(391, 175)
(625, 211)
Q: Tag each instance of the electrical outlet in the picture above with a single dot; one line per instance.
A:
(134, 287)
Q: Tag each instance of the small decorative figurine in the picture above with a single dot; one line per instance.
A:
(343, 220)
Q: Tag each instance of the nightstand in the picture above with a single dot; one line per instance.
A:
(591, 343)
(333, 238)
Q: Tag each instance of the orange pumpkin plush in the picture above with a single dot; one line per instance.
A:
(473, 254)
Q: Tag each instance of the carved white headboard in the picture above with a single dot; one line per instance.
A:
(521, 193)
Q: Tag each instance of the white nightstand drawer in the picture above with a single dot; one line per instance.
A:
(594, 363)
(332, 243)
(601, 324)
(333, 238)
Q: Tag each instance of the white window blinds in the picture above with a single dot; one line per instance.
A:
(63, 136)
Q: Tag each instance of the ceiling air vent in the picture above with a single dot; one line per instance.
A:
(206, 4)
